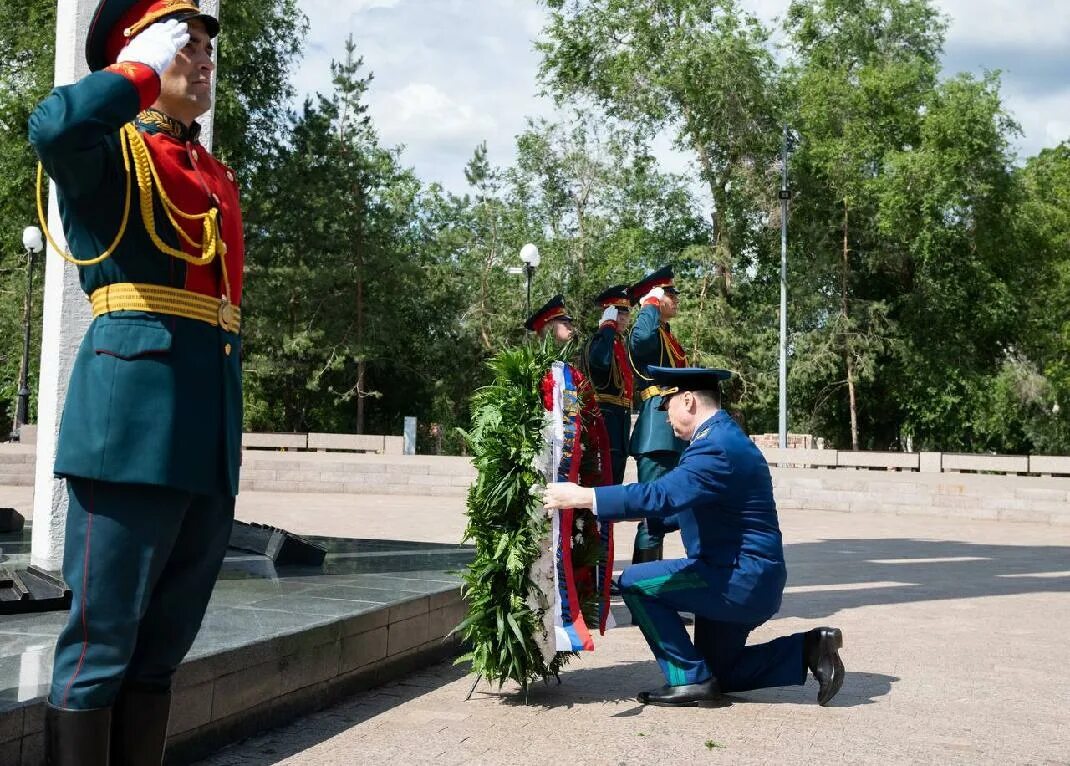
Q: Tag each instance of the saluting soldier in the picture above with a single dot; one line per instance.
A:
(151, 433)
(653, 445)
(552, 319)
(610, 373)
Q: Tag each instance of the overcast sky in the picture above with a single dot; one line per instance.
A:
(450, 73)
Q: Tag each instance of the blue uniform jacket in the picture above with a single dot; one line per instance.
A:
(721, 496)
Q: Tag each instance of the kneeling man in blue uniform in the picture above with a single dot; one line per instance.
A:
(720, 496)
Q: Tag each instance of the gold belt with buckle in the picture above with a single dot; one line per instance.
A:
(650, 392)
(160, 299)
(620, 401)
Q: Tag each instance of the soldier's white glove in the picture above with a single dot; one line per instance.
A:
(657, 294)
(156, 46)
(609, 315)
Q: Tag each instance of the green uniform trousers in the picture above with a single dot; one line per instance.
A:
(651, 467)
(141, 561)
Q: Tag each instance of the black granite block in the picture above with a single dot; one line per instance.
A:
(276, 641)
(11, 521)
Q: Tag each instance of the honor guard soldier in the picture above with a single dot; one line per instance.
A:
(151, 433)
(552, 319)
(720, 497)
(653, 445)
(610, 373)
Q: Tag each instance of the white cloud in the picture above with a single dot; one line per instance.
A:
(451, 73)
(420, 111)
(351, 7)
(1029, 24)
(1045, 120)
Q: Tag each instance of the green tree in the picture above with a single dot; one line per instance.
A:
(335, 272)
(607, 213)
(863, 71)
(701, 69)
(27, 41)
(949, 210)
(1027, 406)
(259, 44)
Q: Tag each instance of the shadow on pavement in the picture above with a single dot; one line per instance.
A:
(832, 575)
(581, 686)
(858, 689)
(825, 578)
(623, 681)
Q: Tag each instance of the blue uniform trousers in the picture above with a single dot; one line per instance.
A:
(651, 467)
(657, 591)
(141, 561)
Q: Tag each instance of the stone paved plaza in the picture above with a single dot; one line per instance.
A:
(955, 645)
(956, 650)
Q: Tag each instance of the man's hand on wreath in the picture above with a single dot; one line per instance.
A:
(566, 495)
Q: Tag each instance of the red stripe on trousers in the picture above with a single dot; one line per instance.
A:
(85, 589)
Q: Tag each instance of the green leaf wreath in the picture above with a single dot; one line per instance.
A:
(505, 520)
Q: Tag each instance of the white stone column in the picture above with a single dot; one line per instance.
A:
(66, 316)
(206, 121)
(66, 312)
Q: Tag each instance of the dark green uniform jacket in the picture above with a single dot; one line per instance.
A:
(612, 384)
(153, 398)
(648, 345)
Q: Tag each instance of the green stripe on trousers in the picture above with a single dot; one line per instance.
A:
(676, 674)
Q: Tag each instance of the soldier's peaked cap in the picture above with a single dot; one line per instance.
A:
(553, 309)
(662, 278)
(673, 380)
(614, 296)
(117, 22)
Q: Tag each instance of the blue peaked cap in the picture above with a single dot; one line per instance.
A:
(673, 380)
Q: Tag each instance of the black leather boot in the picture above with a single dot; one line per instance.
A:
(821, 653)
(139, 727)
(687, 695)
(77, 737)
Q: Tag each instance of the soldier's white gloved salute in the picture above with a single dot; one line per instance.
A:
(657, 294)
(157, 46)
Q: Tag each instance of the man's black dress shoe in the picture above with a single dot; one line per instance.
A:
(821, 652)
(682, 696)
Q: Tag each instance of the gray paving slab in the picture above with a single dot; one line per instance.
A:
(956, 649)
(955, 646)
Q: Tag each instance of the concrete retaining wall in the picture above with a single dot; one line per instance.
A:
(962, 495)
(1003, 487)
(356, 474)
(225, 697)
(17, 465)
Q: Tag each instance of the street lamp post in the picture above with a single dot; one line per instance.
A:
(33, 243)
(529, 254)
(785, 196)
